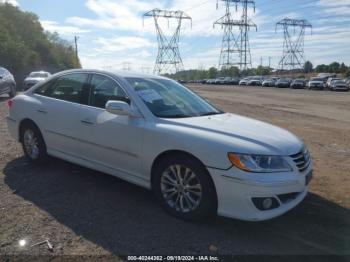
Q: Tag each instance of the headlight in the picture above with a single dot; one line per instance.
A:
(259, 164)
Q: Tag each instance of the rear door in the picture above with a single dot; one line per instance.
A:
(59, 112)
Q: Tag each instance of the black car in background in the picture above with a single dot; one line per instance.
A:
(298, 83)
(283, 82)
(7, 83)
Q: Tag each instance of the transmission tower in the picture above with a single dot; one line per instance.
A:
(293, 45)
(168, 58)
(235, 51)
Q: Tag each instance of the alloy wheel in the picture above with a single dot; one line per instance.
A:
(181, 188)
(31, 144)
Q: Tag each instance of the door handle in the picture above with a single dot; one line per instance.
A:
(87, 122)
(42, 111)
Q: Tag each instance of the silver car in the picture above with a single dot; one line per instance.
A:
(339, 85)
(34, 78)
(7, 83)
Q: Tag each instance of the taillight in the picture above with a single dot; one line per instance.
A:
(9, 103)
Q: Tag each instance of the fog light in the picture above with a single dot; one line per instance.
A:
(267, 203)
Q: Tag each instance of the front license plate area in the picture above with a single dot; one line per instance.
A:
(308, 178)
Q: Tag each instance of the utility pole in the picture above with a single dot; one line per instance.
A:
(293, 45)
(269, 61)
(235, 51)
(76, 38)
(168, 58)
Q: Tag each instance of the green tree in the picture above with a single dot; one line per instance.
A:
(212, 73)
(347, 73)
(308, 67)
(343, 68)
(26, 47)
(322, 68)
(334, 67)
(263, 70)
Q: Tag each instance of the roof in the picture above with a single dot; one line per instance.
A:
(118, 73)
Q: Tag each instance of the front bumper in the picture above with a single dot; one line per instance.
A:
(235, 193)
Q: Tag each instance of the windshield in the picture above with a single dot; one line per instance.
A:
(168, 99)
(339, 82)
(39, 75)
(316, 79)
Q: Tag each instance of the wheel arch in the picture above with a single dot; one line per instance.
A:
(23, 123)
(170, 153)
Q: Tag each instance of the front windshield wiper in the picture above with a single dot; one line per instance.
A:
(211, 113)
(176, 116)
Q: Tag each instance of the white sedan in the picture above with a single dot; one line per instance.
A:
(154, 132)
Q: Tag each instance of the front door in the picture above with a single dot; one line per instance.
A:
(112, 141)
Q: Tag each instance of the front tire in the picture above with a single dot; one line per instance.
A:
(184, 188)
(33, 143)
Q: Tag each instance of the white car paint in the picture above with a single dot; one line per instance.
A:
(127, 147)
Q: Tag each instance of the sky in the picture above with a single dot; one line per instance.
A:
(113, 35)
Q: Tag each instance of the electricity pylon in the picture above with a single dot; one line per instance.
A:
(235, 51)
(293, 44)
(168, 58)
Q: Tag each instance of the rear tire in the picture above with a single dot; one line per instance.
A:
(184, 188)
(33, 144)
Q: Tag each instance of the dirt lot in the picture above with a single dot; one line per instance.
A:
(83, 212)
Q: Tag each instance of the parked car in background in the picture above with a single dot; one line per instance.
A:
(210, 81)
(270, 82)
(219, 81)
(316, 83)
(339, 85)
(254, 81)
(156, 133)
(235, 80)
(283, 82)
(298, 83)
(34, 78)
(348, 82)
(329, 81)
(243, 82)
(7, 83)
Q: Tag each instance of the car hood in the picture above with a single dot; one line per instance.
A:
(241, 134)
(35, 79)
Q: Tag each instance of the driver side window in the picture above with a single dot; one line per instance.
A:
(105, 89)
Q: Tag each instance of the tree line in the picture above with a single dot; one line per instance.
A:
(26, 47)
(211, 73)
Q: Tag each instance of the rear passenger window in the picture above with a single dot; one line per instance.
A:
(44, 89)
(71, 88)
(105, 89)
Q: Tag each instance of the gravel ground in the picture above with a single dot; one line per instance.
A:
(83, 212)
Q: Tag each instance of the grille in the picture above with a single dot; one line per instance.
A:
(302, 159)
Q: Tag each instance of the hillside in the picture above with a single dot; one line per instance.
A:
(25, 46)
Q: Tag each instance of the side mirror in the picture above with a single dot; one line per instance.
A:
(120, 108)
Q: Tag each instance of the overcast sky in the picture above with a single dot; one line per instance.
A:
(111, 32)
